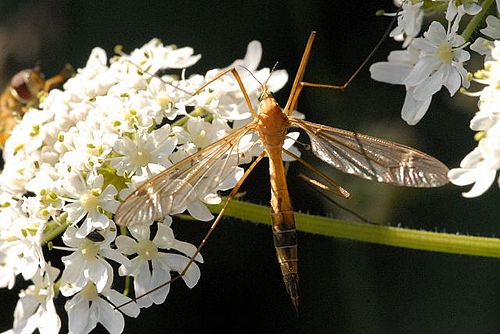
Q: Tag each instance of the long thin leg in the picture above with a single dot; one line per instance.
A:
(297, 86)
(336, 189)
(323, 189)
(240, 83)
(289, 107)
(200, 89)
(216, 222)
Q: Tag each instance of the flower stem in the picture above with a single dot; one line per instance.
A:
(476, 19)
(197, 112)
(379, 234)
(54, 229)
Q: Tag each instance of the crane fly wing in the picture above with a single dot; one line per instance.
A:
(372, 158)
(171, 190)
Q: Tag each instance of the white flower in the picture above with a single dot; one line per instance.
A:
(155, 56)
(87, 308)
(492, 30)
(20, 243)
(18, 257)
(88, 261)
(480, 166)
(469, 7)
(109, 129)
(410, 19)
(162, 263)
(429, 63)
(202, 133)
(164, 97)
(86, 146)
(146, 155)
(86, 198)
(35, 308)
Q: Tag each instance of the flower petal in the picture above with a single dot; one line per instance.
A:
(126, 244)
(429, 87)
(110, 318)
(178, 263)
(390, 72)
(199, 211)
(78, 315)
(422, 70)
(482, 184)
(131, 309)
(413, 110)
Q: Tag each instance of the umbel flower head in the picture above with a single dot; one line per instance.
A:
(70, 163)
(438, 58)
(480, 166)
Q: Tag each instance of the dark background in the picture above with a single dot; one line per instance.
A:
(346, 287)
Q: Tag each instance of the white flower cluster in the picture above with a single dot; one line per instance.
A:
(436, 59)
(480, 166)
(69, 163)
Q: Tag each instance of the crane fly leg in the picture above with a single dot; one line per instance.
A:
(336, 189)
(240, 83)
(298, 84)
(216, 222)
(324, 191)
(295, 91)
(231, 70)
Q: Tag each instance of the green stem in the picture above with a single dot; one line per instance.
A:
(197, 112)
(54, 229)
(476, 19)
(379, 234)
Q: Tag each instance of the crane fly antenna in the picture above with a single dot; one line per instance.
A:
(250, 72)
(271, 73)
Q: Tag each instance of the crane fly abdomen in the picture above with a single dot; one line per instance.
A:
(272, 126)
(284, 231)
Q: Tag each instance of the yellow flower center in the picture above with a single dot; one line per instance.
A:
(90, 200)
(90, 292)
(142, 158)
(164, 101)
(147, 249)
(89, 249)
(445, 53)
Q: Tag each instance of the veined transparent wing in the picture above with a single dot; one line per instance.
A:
(372, 158)
(171, 190)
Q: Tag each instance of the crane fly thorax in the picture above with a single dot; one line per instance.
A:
(272, 123)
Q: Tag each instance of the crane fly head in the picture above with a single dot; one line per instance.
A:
(264, 92)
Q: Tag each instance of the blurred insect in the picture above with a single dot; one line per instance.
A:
(23, 93)
(95, 236)
(364, 156)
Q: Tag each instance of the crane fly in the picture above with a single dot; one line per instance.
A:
(364, 156)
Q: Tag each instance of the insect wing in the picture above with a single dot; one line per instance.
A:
(170, 191)
(372, 158)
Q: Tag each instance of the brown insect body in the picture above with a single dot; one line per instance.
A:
(350, 152)
(272, 125)
(22, 94)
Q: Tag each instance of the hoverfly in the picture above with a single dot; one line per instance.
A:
(23, 93)
(361, 155)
